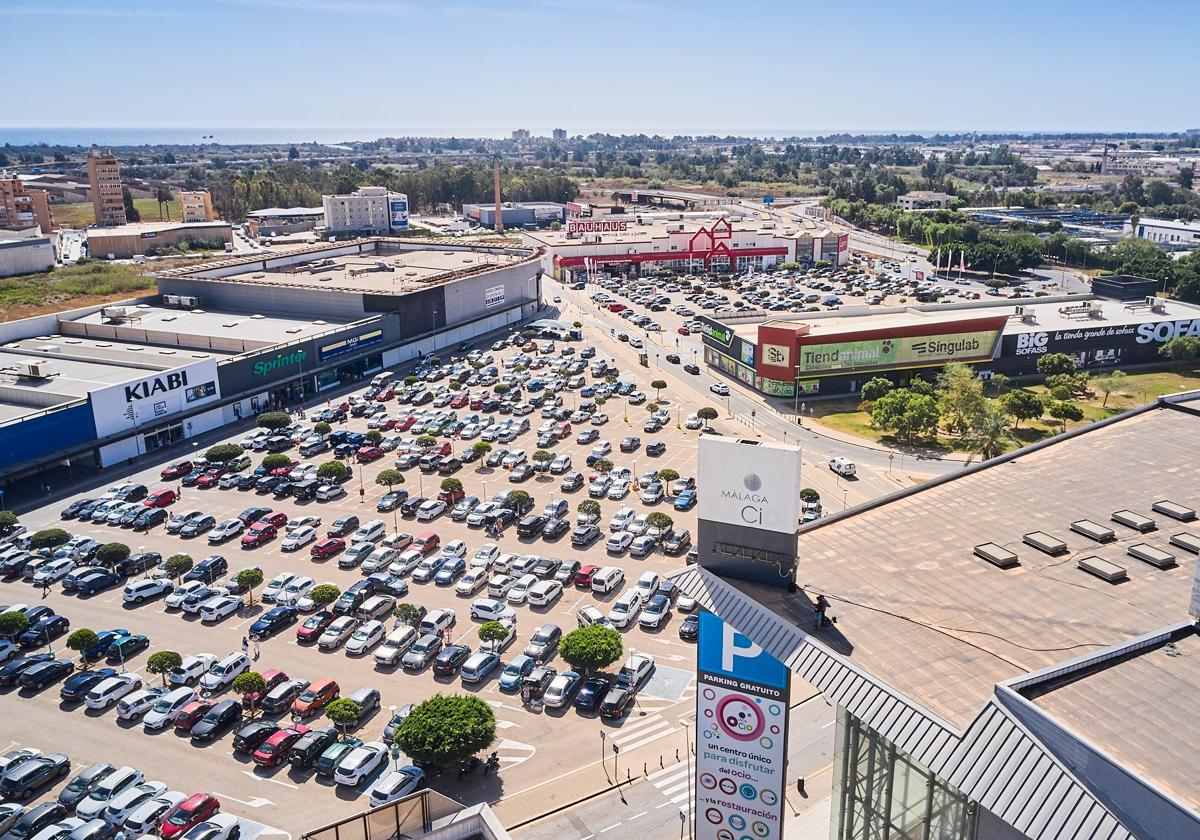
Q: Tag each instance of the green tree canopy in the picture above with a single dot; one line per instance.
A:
(808, 494)
(8, 521)
(408, 613)
(541, 456)
(875, 388)
(589, 506)
(274, 420)
(1055, 363)
(373, 437)
(988, 429)
(707, 414)
(960, 396)
(249, 682)
(660, 520)
(591, 648)
(906, 413)
(13, 623)
(658, 385)
(322, 428)
(223, 453)
(668, 474)
(163, 662)
(343, 713)
(178, 565)
(1064, 411)
(324, 594)
(1022, 405)
(451, 485)
(248, 579)
(445, 729)
(426, 441)
(48, 538)
(481, 448)
(81, 640)
(492, 631)
(275, 462)
(333, 471)
(389, 478)
(603, 466)
(1182, 348)
(110, 554)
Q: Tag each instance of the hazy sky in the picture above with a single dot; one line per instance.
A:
(665, 66)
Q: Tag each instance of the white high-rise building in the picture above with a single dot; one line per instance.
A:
(367, 210)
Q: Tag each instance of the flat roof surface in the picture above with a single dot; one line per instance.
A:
(76, 377)
(287, 211)
(916, 609)
(245, 326)
(657, 230)
(404, 271)
(138, 228)
(1157, 689)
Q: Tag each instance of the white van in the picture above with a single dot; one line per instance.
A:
(607, 579)
(394, 646)
(842, 466)
(225, 672)
(379, 380)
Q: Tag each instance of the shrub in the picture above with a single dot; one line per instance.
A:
(274, 420)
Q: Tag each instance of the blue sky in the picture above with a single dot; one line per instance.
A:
(468, 67)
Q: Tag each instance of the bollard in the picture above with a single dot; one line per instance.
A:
(644, 772)
(800, 786)
(660, 760)
(677, 753)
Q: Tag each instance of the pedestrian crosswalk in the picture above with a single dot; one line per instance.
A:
(637, 731)
(675, 783)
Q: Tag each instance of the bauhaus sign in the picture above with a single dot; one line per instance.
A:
(597, 225)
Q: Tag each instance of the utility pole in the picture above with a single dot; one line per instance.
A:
(496, 187)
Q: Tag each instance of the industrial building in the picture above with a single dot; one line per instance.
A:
(632, 244)
(1013, 647)
(834, 353)
(923, 200)
(280, 221)
(368, 211)
(26, 251)
(1169, 233)
(218, 343)
(518, 214)
(104, 181)
(138, 238)
(678, 199)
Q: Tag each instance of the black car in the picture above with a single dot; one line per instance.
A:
(584, 535)
(531, 525)
(268, 483)
(689, 630)
(29, 776)
(272, 621)
(72, 510)
(208, 570)
(617, 702)
(677, 541)
(95, 582)
(251, 515)
(554, 528)
(84, 781)
(308, 748)
(250, 735)
(410, 505)
(694, 370)
(217, 720)
(385, 583)
(546, 567)
(150, 517)
(592, 692)
(672, 358)
(191, 478)
(656, 448)
(630, 444)
(247, 482)
(566, 572)
(126, 647)
(44, 631)
(77, 687)
(35, 819)
(45, 673)
(342, 526)
(280, 698)
(12, 670)
(391, 500)
(197, 526)
(447, 663)
(137, 564)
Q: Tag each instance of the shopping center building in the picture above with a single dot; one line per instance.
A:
(1013, 649)
(632, 244)
(835, 352)
(96, 386)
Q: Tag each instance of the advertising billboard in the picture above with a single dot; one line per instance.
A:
(900, 351)
(398, 214)
(118, 408)
(349, 344)
(742, 696)
(493, 296)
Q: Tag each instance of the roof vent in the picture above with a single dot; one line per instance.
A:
(1186, 541)
(258, 276)
(257, 317)
(1103, 569)
(228, 324)
(167, 352)
(1093, 530)
(320, 323)
(169, 317)
(293, 330)
(135, 349)
(1174, 510)
(1044, 542)
(1134, 520)
(997, 555)
(73, 341)
(1152, 555)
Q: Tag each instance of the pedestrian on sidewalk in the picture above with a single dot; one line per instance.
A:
(245, 645)
(257, 649)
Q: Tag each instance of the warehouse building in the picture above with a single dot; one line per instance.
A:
(518, 214)
(26, 251)
(632, 244)
(219, 343)
(135, 239)
(835, 353)
(1014, 646)
(279, 221)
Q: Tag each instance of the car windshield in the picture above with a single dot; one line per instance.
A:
(308, 696)
(180, 817)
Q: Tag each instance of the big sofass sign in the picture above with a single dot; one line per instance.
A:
(157, 395)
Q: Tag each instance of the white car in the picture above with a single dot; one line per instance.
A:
(297, 522)
(396, 785)
(601, 448)
(406, 562)
(220, 607)
(503, 561)
(360, 763)
(295, 590)
(196, 601)
(455, 548)
(544, 593)
(276, 585)
(618, 542)
(219, 826)
(648, 583)
(843, 466)
(92, 806)
(490, 609)
(175, 600)
(638, 525)
(431, 509)
(693, 422)
(720, 389)
(379, 558)
(230, 479)
(485, 556)
(599, 419)
(162, 713)
(338, 631)
(625, 609)
(329, 492)
(137, 704)
(298, 538)
(365, 638)
(223, 673)
(52, 571)
(520, 589)
(471, 582)
(7, 650)
(126, 802)
(111, 689)
(621, 518)
(145, 818)
(499, 585)
(191, 669)
(138, 591)
(560, 464)
(513, 458)
(226, 530)
(619, 489)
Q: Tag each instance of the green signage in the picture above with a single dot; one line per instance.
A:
(282, 360)
(897, 352)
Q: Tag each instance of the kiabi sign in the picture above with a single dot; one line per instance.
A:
(282, 360)
(158, 385)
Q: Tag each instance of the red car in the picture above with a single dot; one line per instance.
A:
(327, 547)
(584, 576)
(684, 331)
(314, 626)
(386, 394)
(275, 517)
(367, 454)
(459, 401)
(442, 448)
(561, 430)
(259, 533)
(617, 307)
(190, 812)
(476, 403)
(210, 478)
(177, 470)
(314, 698)
(275, 749)
(451, 496)
(285, 470)
(190, 714)
(273, 678)
(404, 423)
(160, 498)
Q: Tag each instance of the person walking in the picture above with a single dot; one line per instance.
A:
(257, 649)
(245, 645)
(821, 607)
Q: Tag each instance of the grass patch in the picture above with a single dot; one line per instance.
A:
(92, 278)
(79, 214)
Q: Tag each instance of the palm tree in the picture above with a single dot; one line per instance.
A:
(988, 431)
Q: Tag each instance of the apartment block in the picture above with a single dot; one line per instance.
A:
(367, 210)
(104, 179)
(196, 206)
(22, 207)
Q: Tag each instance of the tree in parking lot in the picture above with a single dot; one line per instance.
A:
(652, 407)
(275, 462)
(591, 648)
(163, 662)
(8, 521)
(333, 471)
(48, 538)
(1022, 405)
(426, 441)
(707, 414)
(808, 494)
(274, 420)
(603, 465)
(110, 554)
(492, 631)
(250, 682)
(343, 713)
(500, 389)
(322, 428)
(589, 507)
(520, 501)
(324, 594)
(444, 730)
(373, 437)
(481, 448)
(667, 474)
(389, 478)
(178, 565)
(223, 453)
(13, 623)
(248, 579)
(409, 613)
(660, 520)
(658, 385)
(81, 640)
(542, 457)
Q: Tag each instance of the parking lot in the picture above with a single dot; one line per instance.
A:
(536, 745)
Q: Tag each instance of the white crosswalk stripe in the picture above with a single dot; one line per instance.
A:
(675, 783)
(641, 731)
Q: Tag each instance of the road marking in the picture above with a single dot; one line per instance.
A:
(635, 816)
(259, 778)
(255, 802)
(610, 828)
